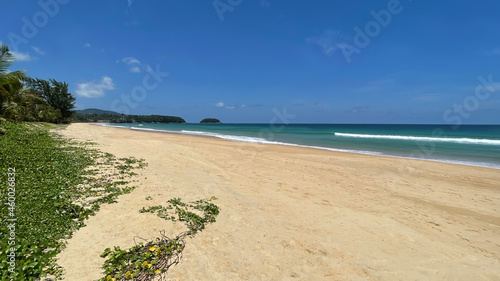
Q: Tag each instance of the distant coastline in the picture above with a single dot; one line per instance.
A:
(413, 144)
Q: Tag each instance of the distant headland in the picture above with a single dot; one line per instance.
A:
(99, 115)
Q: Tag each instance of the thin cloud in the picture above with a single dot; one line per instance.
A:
(21, 56)
(95, 90)
(38, 50)
(226, 106)
(131, 60)
(330, 41)
(234, 106)
(87, 45)
(133, 64)
(130, 2)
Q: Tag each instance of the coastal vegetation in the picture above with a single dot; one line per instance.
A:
(23, 98)
(49, 186)
(124, 118)
(147, 261)
(210, 121)
(31, 99)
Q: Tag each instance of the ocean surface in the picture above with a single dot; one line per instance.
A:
(477, 145)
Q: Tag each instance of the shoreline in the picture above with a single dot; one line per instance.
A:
(446, 161)
(298, 213)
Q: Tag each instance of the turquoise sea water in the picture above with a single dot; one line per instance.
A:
(477, 145)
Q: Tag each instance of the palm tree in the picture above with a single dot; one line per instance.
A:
(10, 82)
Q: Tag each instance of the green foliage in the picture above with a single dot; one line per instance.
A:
(26, 99)
(56, 95)
(210, 121)
(194, 221)
(148, 261)
(143, 261)
(10, 82)
(58, 184)
(123, 118)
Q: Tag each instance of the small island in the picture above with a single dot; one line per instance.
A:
(210, 121)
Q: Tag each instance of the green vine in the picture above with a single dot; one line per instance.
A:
(55, 185)
(153, 259)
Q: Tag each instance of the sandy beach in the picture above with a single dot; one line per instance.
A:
(292, 213)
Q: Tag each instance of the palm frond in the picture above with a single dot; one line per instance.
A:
(13, 77)
(6, 58)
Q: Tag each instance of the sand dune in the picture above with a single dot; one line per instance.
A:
(291, 213)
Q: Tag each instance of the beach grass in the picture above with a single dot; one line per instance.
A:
(49, 187)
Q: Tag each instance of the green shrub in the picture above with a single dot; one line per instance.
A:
(58, 184)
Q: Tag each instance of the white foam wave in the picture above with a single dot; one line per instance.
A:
(264, 141)
(414, 138)
(109, 125)
(228, 137)
(152, 130)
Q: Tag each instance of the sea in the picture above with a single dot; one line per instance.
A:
(475, 145)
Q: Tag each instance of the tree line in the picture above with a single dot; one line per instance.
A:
(23, 98)
(124, 118)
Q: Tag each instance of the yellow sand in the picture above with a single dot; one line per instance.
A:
(291, 213)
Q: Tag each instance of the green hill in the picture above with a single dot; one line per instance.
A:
(99, 115)
(96, 111)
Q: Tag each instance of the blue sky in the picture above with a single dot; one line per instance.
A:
(319, 61)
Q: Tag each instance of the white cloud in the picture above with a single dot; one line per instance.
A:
(87, 45)
(130, 60)
(329, 41)
(133, 63)
(130, 2)
(38, 50)
(226, 106)
(264, 3)
(21, 56)
(135, 69)
(95, 90)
